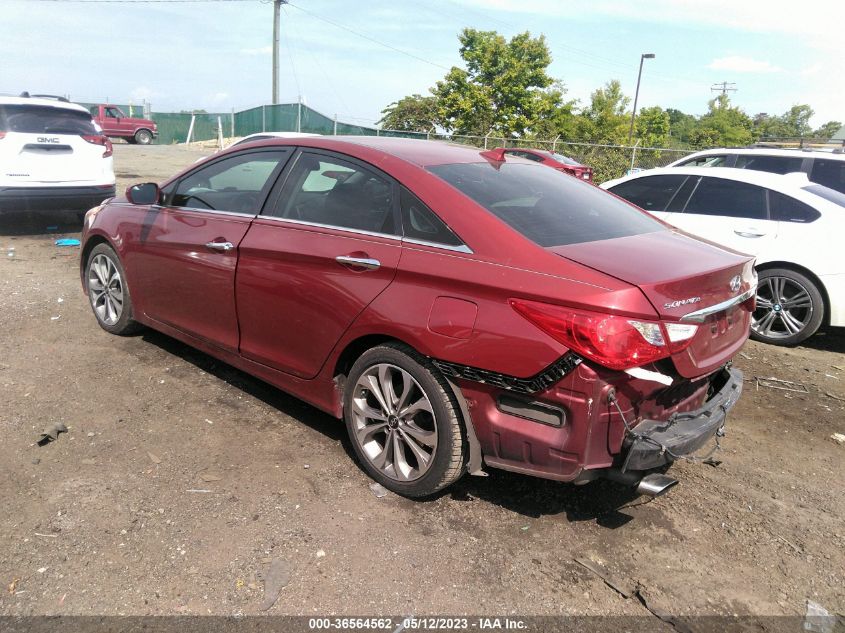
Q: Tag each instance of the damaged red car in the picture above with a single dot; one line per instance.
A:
(458, 309)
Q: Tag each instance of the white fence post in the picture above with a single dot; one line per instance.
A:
(191, 129)
(220, 132)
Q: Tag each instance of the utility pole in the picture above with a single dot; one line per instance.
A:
(643, 57)
(277, 14)
(725, 87)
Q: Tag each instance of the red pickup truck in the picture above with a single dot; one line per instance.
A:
(117, 125)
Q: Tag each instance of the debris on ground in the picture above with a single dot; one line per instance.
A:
(839, 438)
(14, 585)
(378, 490)
(68, 241)
(209, 477)
(155, 459)
(835, 397)
(783, 385)
(51, 434)
(818, 619)
(320, 553)
(276, 579)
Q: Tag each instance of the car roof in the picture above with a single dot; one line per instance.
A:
(36, 101)
(281, 135)
(787, 182)
(420, 152)
(765, 151)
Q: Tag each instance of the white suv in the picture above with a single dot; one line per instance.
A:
(822, 167)
(53, 156)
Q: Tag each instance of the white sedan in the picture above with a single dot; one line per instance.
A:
(793, 226)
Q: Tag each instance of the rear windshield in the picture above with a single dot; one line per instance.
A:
(547, 206)
(31, 119)
(566, 160)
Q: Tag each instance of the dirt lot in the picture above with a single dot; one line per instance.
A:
(180, 479)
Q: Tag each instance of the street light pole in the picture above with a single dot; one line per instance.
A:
(277, 10)
(643, 57)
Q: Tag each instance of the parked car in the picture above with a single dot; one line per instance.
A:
(791, 225)
(263, 136)
(553, 160)
(117, 125)
(52, 156)
(456, 308)
(824, 168)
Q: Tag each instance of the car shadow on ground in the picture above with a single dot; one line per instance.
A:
(830, 339)
(601, 502)
(32, 223)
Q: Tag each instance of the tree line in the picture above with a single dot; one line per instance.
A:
(506, 91)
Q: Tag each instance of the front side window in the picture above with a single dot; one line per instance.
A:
(771, 164)
(237, 183)
(718, 196)
(830, 173)
(338, 193)
(114, 113)
(547, 206)
(651, 193)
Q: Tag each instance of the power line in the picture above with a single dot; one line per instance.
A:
(725, 87)
(367, 37)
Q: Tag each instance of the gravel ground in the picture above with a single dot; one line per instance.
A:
(181, 479)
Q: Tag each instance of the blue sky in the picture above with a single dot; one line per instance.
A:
(216, 55)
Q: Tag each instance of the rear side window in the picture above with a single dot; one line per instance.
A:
(706, 161)
(547, 206)
(788, 209)
(830, 173)
(420, 223)
(30, 119)
(831, 195)
(718, 196)
(771, 164)
(651, 193)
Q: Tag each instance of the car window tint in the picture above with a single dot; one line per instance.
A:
(679, 201)
(718, 196)
(236, 183)
(337, 193)
(788, 209)
(547, 206)
(831, 195)
(421, 223)
(651, 193)
(113, 113)
(29, 119)
(771, 164)
(706, 161)
(566, 160)
(830, 173)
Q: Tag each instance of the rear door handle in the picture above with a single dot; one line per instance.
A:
(220, 246)
(749, 233)
(360, 262)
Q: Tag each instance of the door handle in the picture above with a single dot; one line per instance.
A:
(360, 262)
(220, 246)
(750, 233)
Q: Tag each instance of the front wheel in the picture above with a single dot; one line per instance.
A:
(143, 137)
(105, 281)
(789, 308)
(403, 421)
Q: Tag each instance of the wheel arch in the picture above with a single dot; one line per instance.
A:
(90, 244)
(809, 274)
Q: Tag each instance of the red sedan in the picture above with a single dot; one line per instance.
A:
(457, 309)
(553, 160)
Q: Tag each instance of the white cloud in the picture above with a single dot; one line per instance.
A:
(264, 50)
(739, 64)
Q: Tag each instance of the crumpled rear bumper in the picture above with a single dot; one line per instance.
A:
(653, 444)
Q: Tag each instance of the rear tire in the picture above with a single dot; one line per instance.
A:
(143, 137)
(108, 293)
(789, 310)
(403, 421)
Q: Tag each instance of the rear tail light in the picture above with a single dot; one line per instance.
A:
(2, 135)
(100, 139)
(614, 341)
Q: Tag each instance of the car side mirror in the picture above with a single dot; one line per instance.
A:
(145, 193)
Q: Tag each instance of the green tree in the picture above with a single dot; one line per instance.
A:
(681, 125)
(732, 127)
(796, 121)
(652, 127)
(414, 113)
(826, 131)
(605, 119)
(503, 88)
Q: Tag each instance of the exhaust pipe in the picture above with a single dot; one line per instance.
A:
(653, 485)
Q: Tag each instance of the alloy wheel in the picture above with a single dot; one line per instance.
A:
(105, 289)
(394, 422)
(784, 308)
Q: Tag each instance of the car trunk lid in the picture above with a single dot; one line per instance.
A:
(681, 276)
